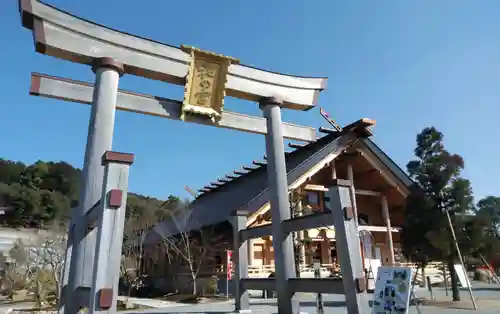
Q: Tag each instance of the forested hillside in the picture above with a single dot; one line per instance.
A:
(43, 193)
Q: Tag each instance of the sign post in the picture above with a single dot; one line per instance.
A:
(319, 297)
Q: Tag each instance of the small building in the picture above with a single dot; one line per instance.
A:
(380, 190)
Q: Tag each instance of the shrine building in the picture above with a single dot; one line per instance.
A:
(380, 189)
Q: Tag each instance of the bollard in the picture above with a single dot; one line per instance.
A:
(319, 298)
(429, 287)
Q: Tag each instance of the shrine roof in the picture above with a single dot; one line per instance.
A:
(248, 191)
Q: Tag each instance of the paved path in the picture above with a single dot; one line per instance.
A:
(488, 301)
(154, 303)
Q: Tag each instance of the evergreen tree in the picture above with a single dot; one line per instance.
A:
(44, 193)
(437, 187)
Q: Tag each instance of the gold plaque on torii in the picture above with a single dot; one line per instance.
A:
(205, 87)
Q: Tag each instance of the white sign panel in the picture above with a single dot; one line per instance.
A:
(392, 290)
(464, 280)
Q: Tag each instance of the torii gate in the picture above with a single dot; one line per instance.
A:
(207, 78)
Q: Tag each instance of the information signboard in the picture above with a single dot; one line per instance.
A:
(392, 290)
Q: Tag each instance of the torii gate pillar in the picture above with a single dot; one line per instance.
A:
(79, 261)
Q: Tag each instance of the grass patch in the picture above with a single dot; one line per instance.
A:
(121, 306)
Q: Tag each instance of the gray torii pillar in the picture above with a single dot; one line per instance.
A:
(79, 262)
(240, 258)
(110, 222)
(348, 246)
(280, 207)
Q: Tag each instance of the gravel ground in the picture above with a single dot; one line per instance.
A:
(488, 301)
(487, 298)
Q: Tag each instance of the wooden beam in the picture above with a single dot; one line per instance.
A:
(368, 193)
(389, 178)
(387, 218)
(329, 131)
(250, 168)
(322, 188)
(361, 127)
(204, 190)
(343, 142)
(352, 154)
(231, 177)
(81, 92)
(377, 229)
(295, 145)
(315, 187)
(258, 163)
(240, 173)
(286, 154)
(65, 36)
(366, 173)
(333, 174)
(307, 222)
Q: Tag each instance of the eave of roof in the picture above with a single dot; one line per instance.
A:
(389, 163)
(384, 159)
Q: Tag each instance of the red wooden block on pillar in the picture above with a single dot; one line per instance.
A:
(105, 298)
(115, 198)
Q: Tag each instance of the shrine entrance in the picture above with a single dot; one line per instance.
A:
(93, 255)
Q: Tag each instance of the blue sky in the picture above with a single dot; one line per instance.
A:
(407, 64)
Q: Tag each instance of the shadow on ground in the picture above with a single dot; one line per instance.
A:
(483, 289)
(180, 312)
(307, 303)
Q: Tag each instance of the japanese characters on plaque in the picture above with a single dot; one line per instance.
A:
(205, 84)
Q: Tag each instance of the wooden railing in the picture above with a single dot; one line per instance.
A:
(306, 271)
(434, 270)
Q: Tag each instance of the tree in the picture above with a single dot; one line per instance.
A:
(49, 249)
(37, 195)
(189, 248)
(37, 264)
(483, 229)
(437, 187)
(17, 270)
(133, 253)
(489, 208)
(10, 171)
